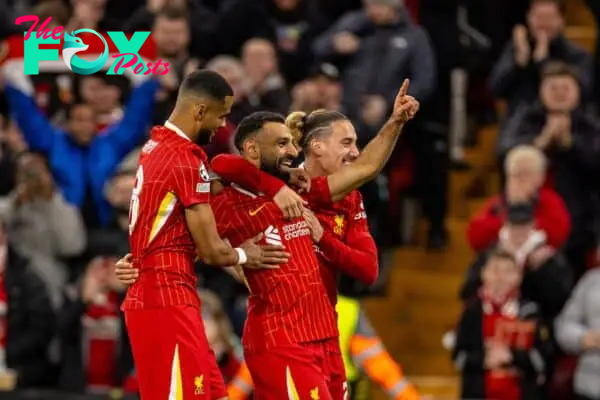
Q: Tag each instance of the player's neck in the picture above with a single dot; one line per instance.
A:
(183, 124)
(313, 168)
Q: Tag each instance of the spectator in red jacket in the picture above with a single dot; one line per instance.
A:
(525, 169)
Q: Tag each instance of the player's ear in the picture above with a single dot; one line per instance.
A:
(200, 111)
(250, 148)
(316, 146)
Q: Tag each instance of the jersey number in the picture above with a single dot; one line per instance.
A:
(134, 203)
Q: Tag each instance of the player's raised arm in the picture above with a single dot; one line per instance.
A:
(322, 132)
(377, 152)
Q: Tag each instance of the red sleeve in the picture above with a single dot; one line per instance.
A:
(485, 225)
(235, 169)
(357, 256)
(191, 181)
(552, 217)
(319, 195)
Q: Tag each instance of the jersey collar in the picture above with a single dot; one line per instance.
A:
(175, 129)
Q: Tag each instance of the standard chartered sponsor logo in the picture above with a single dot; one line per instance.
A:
(296, 230)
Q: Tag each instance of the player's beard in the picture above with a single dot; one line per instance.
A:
(273, 167)
(204, 137)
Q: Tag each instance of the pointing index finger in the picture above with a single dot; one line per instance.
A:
(404, 87)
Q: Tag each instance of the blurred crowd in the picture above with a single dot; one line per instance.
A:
(69, 144)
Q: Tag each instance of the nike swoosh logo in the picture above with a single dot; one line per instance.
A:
(252, 213)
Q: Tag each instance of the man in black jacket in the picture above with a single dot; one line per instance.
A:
(26, 319)
(516, 75)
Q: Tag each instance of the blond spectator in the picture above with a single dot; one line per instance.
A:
(525, 170)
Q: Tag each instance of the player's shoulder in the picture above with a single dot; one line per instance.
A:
(182, 146)
(352, 202)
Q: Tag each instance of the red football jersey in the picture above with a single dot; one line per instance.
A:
(171, 176)
(289, 304)
(347, 221)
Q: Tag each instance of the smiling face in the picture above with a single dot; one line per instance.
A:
(545, 19)
(560, 93)
(337, 148)
(276, 147)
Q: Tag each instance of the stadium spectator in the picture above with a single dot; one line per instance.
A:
(516, 75)
(577, 331)
(502, 348)
(562, 127)
(290, 24)
(80, 147)
(41, 224)
(546, 276)
(95, 355)
(260, 61)
(102, 97)
(382, 46)
(171, 31)
(54, 9)
(90, 14)
(113, 240)
(322, 89)
(202, 33)
(246, 100)
(525, 170)
(26, 318)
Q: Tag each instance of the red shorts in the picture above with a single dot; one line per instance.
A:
(338, 387)
(172, 357)
(304, 371)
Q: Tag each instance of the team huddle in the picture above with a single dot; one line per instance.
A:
(288, 243)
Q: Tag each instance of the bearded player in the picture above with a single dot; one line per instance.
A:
(345, 244)
(170, 223)
(302, 336)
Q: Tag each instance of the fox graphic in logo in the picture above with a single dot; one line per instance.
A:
(74, 45)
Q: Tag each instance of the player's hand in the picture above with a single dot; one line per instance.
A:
(289, 202)
(125, 272)
(299, 178)
(316, 229)
(405, 106)
(265, 256)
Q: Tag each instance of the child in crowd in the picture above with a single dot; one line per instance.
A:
(501, 346)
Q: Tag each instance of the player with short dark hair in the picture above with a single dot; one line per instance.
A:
(253, 124)
(170, 223)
